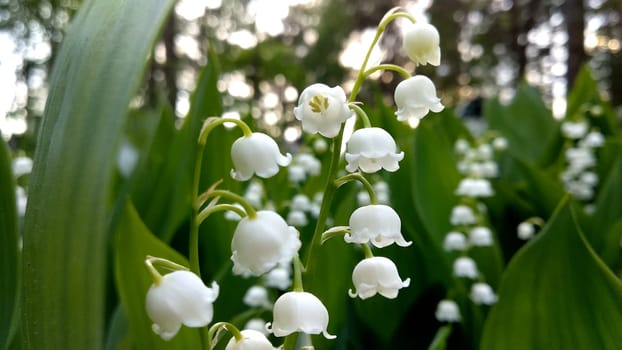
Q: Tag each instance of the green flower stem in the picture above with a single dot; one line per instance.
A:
(211, 123)
(361, 114)
(360, 178)
(157, 277)
(193, 239)
(290, 341)
(367, 251)
(250, 211)
(391, 15)
(220, 207)
(223, 325)
(298, 269)
(392, 67)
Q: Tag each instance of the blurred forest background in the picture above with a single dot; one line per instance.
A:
(269, 50)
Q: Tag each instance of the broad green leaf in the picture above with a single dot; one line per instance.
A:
(540, 187)
(132, 243)
(9, 250)
(528, 125)
(97, 71)
(608, 211)
(556, 294)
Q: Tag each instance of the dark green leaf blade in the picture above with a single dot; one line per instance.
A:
(9, 250)
(556, 294)
(97, 71)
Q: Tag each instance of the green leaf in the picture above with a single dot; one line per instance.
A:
(528, 125)
(97, 71)
(608, 212)
(9, 249)
(556, 294)
(133, 242)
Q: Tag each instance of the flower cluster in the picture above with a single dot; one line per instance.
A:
(266, 245)
(581, 142)
(469, 221)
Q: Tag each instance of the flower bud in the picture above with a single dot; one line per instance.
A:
(251, 340)
(474, 188)
(257, 296)
(447, 311)
(462, 215)
(465, 267)
(482, 293)
(525, 230)
(481, 236)
(454, 241)
(421, 44)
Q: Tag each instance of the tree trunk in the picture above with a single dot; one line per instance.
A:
(573, 12)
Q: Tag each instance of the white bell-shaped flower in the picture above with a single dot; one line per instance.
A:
(372, 149)
(322, 109)
(454, 240)
(474, 188)
(482, 293)
(299, 312)
(376, 275)
(421, 44)
(415, 97)
(447, 311)
(257, 296)
(180, 298)
(378, 224)
(465, 267)
(525, 230)
(260, 243)
(251, 340)
(481, 236)
(593, 139)
(574, 130)
(279, 277)
(256, 154)
(462, 215)
(21, 166)
(297, 218)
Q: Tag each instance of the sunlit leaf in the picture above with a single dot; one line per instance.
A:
(97, 71)
(556, 294)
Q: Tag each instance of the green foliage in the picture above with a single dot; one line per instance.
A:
(9, 250)
(97, 71)
(556, 294)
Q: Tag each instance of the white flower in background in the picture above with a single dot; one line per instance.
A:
(299, 312)
(480, 236)
(454, 240)
(376, 275)
(127, 158)
(296, 173)
(579, 190)
(415, 97)
(320, 146)
(484, 151)
(21, 166)
(257, 296)
(251, 340)
(574, 130)
(279, 277)
(382, 192)
(447, 311)
(525, 230)
(500, 143)
(312, 165)
(362, 198)
(474, 188)
(260, 243)
(21, 199)
(580, 158)
(593, 139)
(256, 154)
(465, 267)
(316, 204)
(257, 324)
(378, 224)
(489, 169)
(233, 216)
(372, 149)
(461, 146)
(482, 293)
(589, 178)
(300, 202)
(180, 298)
(462, 215)
(322, 109)
(421, 44)
(297, 218)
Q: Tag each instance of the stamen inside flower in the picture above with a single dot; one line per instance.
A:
(318, 104)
